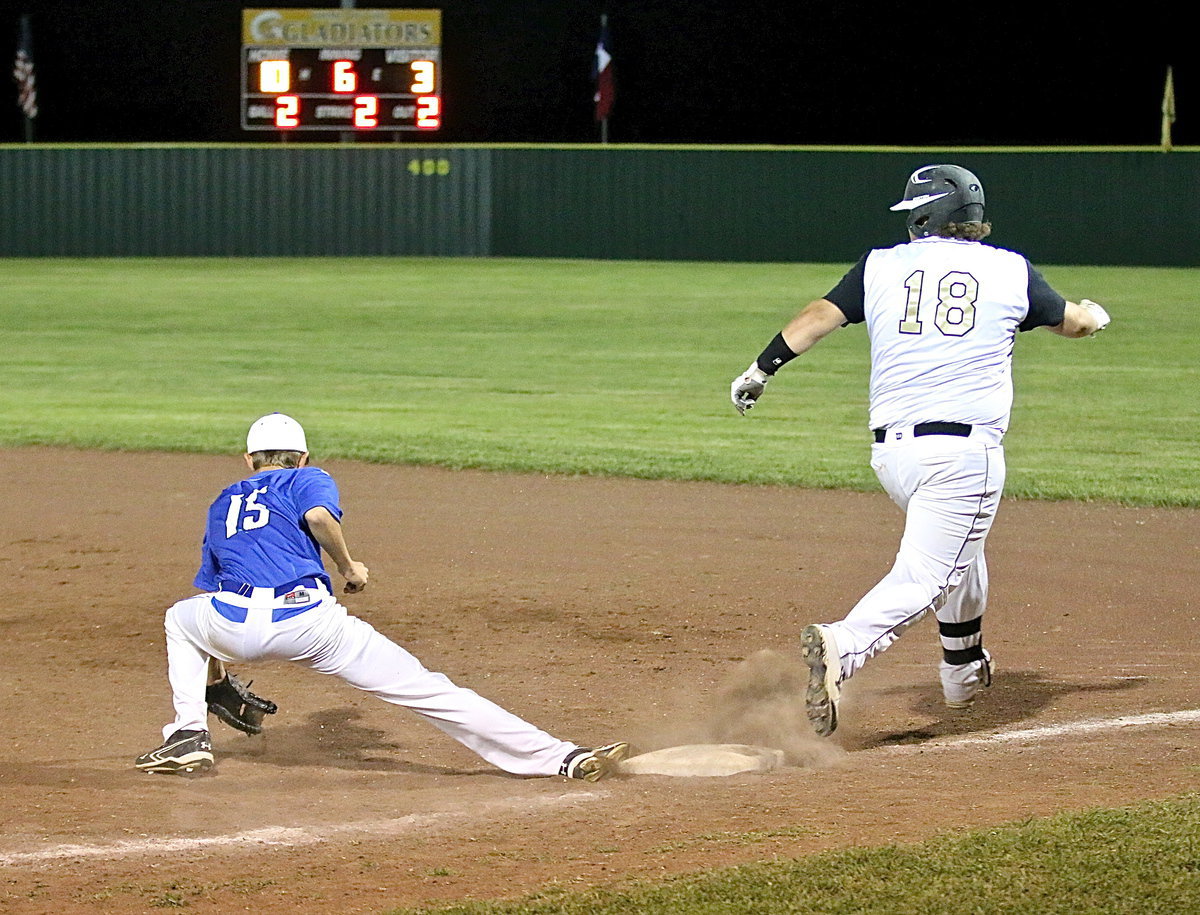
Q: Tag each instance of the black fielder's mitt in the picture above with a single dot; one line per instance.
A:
(231, 700)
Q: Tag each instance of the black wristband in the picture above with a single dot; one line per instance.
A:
(777, 354)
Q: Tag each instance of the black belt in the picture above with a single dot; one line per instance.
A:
(246, 590)
(962, 430)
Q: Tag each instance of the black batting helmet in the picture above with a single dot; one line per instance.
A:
(940, 194)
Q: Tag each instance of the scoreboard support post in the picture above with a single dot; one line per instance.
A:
(347, 136)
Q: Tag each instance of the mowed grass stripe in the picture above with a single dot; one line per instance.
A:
(1133, 861)
(577, 367)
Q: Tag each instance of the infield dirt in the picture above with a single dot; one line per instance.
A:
(599, 609)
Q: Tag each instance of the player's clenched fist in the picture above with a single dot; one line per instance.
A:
(748, 387)
(1097, 311)
(356, 576)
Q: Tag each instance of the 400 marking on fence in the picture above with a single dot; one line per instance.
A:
(429, 166)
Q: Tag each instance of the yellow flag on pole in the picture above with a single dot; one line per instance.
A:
(1168, 110)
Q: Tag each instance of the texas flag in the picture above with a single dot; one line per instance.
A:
(602, 73)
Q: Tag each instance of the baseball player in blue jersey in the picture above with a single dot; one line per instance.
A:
(267, 596)
(942, 313)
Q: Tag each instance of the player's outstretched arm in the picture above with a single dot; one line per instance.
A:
(814, 323)
(1082, 319)
(328, 532)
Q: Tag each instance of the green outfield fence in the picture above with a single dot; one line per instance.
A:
(1110, 206)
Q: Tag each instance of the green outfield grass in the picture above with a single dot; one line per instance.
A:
(1138, 861)
(580, 367)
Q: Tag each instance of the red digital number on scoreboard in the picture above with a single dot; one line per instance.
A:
(332, 96)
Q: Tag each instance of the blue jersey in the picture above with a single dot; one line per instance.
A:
(256, 533)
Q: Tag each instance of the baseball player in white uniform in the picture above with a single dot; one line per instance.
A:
(942, 313)
(267, 596)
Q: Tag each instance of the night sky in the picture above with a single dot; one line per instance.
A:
(686, 72)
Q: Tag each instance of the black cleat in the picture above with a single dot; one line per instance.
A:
(183, 753)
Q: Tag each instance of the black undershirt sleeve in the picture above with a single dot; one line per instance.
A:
(848, 295)
(1046, 307)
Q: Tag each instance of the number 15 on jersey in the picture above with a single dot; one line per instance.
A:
(245, 513)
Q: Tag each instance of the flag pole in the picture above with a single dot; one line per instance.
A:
(604, 120)
(603, 77)
(1168, 110)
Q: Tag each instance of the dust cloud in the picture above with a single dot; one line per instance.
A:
(760, 703)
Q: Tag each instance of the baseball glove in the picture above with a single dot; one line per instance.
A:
(231, 700)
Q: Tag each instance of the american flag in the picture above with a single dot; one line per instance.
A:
(23, 71)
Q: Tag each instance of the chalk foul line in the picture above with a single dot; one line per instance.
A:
(289, 836)
(299, 836)
(1070, 729)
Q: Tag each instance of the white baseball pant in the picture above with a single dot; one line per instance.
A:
(328, 639)
(949, 488)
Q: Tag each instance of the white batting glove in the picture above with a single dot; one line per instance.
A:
(748, 387)
(1102, 317)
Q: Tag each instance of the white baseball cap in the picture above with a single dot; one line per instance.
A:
(276, 432)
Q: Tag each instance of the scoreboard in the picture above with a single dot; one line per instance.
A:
(341, 69)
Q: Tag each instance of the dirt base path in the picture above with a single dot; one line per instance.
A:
(663, 613)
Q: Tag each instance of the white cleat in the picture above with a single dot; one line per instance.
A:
(961, 683)
(824, 662)
(591, 765)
